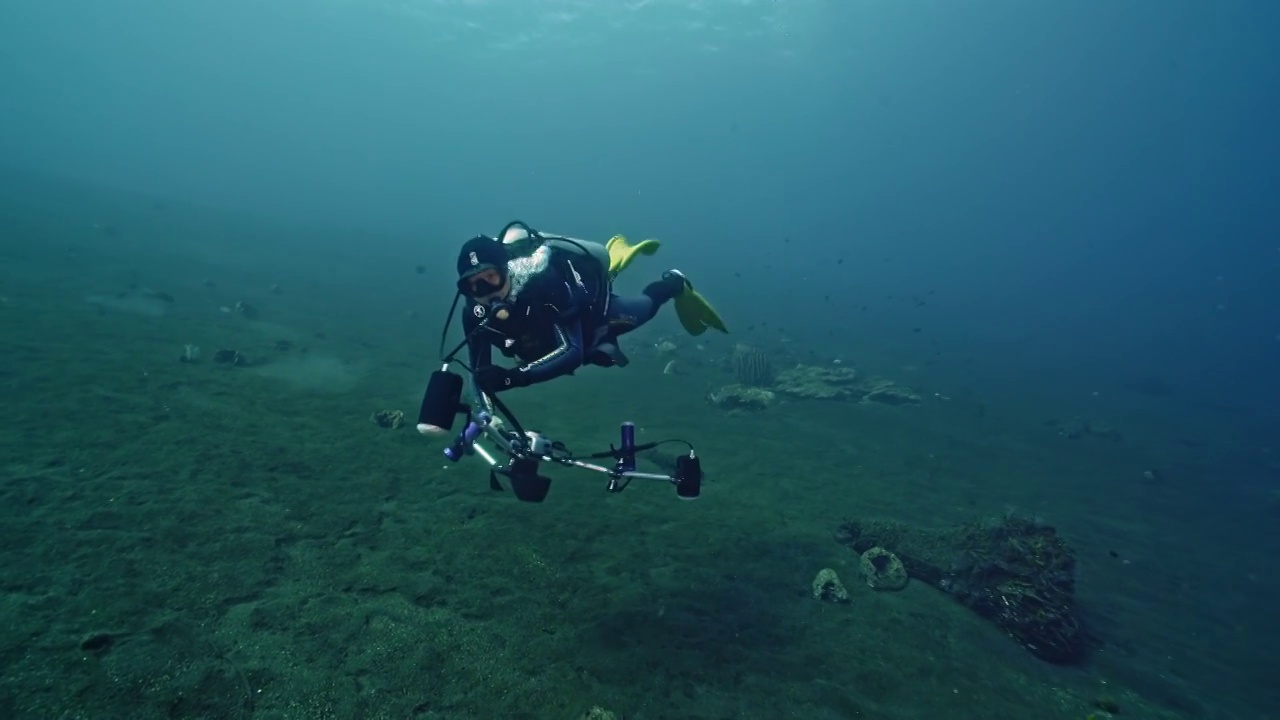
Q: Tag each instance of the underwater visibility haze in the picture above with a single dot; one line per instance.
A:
(992, 433)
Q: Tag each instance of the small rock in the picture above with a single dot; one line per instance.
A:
(230, 357)
(827, 587)
(389, 419)
(246, 311)
(883, 570)
(97, 642)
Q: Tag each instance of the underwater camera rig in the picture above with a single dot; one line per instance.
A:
(527, 450)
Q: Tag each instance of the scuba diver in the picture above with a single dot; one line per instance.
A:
(547, 300)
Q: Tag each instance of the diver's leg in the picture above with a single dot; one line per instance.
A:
(628, 313)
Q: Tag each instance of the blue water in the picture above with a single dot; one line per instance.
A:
(1044, 204)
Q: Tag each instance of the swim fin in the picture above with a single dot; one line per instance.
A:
(695, 313)
(621, 252)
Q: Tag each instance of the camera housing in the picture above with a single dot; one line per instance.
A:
(688, 477)
(441, 403)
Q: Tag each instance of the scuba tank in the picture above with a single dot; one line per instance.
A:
(520, 240)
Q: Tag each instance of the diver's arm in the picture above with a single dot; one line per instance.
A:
(566, 358)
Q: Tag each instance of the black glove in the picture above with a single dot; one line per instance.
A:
(493, 379)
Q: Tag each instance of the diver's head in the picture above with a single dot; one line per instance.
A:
(482, 270)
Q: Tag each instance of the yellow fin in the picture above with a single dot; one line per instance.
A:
(622, 252)
(696, 314)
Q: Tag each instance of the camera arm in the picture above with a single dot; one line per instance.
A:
(526, 452)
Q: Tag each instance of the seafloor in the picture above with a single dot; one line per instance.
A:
(206, 541)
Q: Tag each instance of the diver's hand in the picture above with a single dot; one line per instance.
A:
(493, 379)
(497, 427)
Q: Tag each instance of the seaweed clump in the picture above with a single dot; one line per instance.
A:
(1016, 572)
(741, 397)
(818, 383)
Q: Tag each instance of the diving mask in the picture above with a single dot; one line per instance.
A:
(486, 281)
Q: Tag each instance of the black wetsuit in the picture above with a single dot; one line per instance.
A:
(563, 317)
